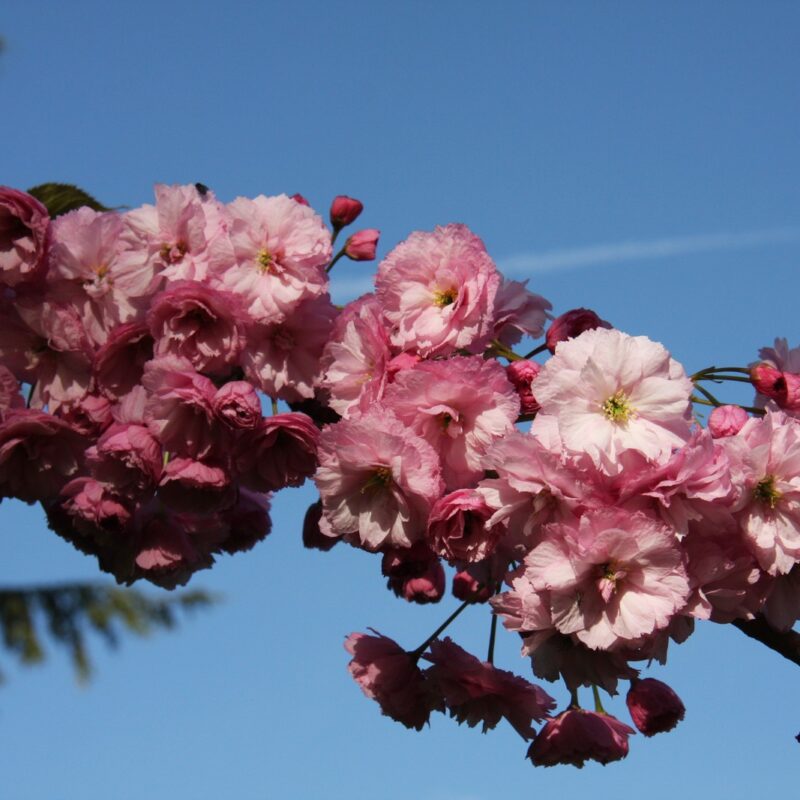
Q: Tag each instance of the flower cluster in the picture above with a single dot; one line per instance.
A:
(148, 341)
(579, 496)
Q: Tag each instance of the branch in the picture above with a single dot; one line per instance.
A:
(786, 643)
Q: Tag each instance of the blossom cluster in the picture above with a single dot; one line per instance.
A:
(578, 496)
(148, 340)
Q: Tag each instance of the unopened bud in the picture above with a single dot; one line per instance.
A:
(345, 210)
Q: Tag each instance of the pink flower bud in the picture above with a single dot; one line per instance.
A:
(768, 381)
(237, 405)
(414, 573)
(521, 375)
(361, 246)
(726, 421)
(577, 736)
(466, 586)
(345, 210)
(298, 198)
(571, 324)
(653, 706)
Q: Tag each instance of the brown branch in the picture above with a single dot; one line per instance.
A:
(786, 643)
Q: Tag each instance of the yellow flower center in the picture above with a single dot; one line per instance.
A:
(765, 492)
(444, 297)
(382, 476)
(618, 409)
(265, 261)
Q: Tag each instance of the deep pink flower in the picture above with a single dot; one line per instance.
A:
(522, 374)
(345, 210)
(654, 706)
(377, 480)
(313, 537)
(438, 292)
(39, 453)
(119, 363)
(726, 421)
(475, 691)
(281, 451)
(362, 245)
(199, 323)
(90, 415)
(457, 527)
(469, 586)
(249, 521)
(389, 675)
(237, 405)
(414, 573)
(195, 486)
(128, 457)
(24, 228)
(576, 736)
(571, 324)
(10, 395)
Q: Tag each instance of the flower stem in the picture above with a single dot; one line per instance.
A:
(335, 259)
(492, 635)
(598, 703)
(535, 352)
(421, 649)
(274, 405)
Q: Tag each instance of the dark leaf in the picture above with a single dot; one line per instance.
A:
(59, 198)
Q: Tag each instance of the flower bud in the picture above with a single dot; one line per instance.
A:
(726, 421)
(345, 210)
(237, 405)
(298, 198)
(521, 375)
(768, 381)
(571, 324)
(361, 246)
(653, 706)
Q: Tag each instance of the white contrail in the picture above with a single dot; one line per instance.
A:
(617, 252)
(525, 264)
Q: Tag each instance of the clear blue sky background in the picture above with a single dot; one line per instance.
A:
(545, 126)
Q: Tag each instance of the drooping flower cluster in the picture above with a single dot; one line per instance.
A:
(149, 341)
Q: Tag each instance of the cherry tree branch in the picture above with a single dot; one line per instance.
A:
(786, 643)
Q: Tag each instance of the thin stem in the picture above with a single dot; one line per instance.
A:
(573, 699)
(709, 370)
(708, 395)
(719, 378)
(598, 703)
(336, 232)
(492, 635)
(504, 351)
(274, 405)
(30, 394)
(421, 649)
(335, 259)
(535, 352)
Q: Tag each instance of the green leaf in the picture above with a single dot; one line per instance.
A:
(58, 198)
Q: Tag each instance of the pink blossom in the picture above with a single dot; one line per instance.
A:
(345, 210)
(571, 324)
(179, 409)
(10, 395)
(281, 451)
(518, 312)
(24, 233)
(249, 521)
(362, 245)
(438, 292)
(654, 707)
(607, 392)
(95, 510)
(195, 486)
(460, 406)
(782, 605)
(781, 356)
(279, 249)
(90, 415)
(613, 577)
(457, 527)
(726, 421)
(283, 359)
(119, 363)
(414, 573)
(356, 357)
(475, 691)
(128, 457)
(469, 586)
(39, 453)
(236, 404)
(576, 736)
(389, 675)
(377, 480)
(200, 324)
(766, 458)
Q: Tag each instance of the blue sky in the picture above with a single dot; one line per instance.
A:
(639, 158)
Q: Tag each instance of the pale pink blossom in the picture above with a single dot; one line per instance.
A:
(576, 736)
(475, 691)
(283, 359)
(438, 292)
(356, 357)
(461, 406)
(612, 577)
(389, 675)
(24, 234)
(377, 480)
(781, 356)
(278, 252)
(766, 458)
(654, 707)
(608, 392)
